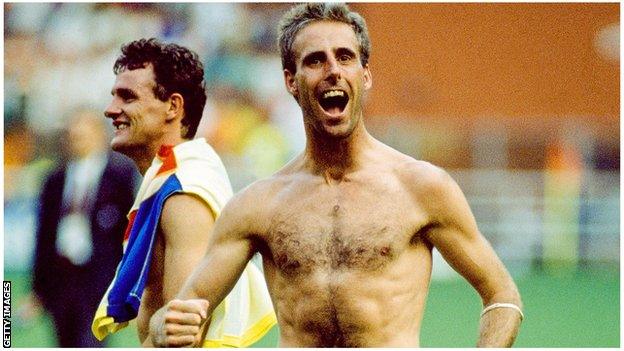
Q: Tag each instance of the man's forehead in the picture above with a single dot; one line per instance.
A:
(320, 35)
(133, 78)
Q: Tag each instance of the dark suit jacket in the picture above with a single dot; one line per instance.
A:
(56, 280)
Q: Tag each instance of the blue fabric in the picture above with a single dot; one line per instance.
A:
(124, 297)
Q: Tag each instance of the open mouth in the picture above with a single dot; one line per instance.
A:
(334, 101)
(119, 125)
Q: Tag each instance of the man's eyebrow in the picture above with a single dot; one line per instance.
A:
(123, 92)
(344, 50)
(313, 55)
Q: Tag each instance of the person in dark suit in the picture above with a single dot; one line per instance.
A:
(81, 223)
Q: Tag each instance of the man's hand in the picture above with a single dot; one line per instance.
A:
(179, 323)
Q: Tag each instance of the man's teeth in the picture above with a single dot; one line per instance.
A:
(332, 93)
(121, 126)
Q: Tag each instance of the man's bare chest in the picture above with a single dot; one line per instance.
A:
(342, 228)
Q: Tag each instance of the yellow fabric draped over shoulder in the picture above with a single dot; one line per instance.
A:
(246, 314)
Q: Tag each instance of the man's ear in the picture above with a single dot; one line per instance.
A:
(368, 77)
(291, 83)
(176, 107)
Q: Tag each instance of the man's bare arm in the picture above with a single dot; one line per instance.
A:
(181, 322)
(457, 238)
(499, 327)
(185, 225)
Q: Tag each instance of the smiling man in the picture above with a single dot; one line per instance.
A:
(346, 229)
(157, 103)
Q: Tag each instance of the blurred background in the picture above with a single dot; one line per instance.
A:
(518, 102)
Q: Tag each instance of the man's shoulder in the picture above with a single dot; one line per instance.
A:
(246, 212)
(290, 174)
(422, 176)
(196, 152)
(405, 165)
(261, 197)
(56, 172)
(269, 187)
(201, 171)
(411, 167)
(430, 186)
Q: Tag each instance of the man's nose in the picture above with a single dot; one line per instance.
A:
(112, 110)
(333, 69)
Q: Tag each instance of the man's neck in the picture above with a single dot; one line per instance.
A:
(334, 158)
(143, 158)
(142, 162)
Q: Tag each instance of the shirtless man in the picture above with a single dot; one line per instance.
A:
(346, 229)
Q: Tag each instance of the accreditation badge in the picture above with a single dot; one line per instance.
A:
(74, 238)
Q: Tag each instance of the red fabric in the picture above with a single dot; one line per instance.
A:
(131, 217)
(167, 157)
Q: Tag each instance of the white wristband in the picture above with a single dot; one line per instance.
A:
(502, 305)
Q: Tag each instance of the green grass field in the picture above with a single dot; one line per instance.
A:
(579, 309)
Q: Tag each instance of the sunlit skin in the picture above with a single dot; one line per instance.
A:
(142, 122)
(346, 229)
(327, 58)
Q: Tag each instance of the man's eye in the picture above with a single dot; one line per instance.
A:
(345, 58)
(127, 97)
(314, 60)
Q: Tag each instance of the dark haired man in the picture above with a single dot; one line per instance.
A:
(158, 99)
(346, 229)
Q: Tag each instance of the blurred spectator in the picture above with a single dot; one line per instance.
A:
(23, 174)
(80, 228)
